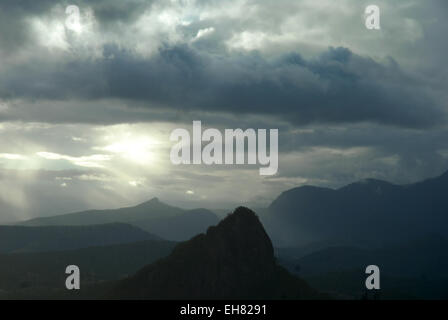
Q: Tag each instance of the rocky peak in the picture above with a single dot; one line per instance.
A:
(232, 260)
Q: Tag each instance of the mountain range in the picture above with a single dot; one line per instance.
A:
(325, 236)
(369, 212)
(153, 216)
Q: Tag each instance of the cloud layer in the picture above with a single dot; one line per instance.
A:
(86, 114)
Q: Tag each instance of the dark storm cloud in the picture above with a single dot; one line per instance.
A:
(336, 87)
(402, 156)
(14, 31)
(116, 11)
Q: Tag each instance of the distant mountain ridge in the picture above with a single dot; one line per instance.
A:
(153, 216)
(16, 239)
(153, 208)
(368, 211)
(233, 260)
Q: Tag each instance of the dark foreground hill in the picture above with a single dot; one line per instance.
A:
(42, 275)
(233, 260)
(15, 239)
(412, 270)
(153, 216)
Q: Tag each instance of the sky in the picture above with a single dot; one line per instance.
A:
(86, 110)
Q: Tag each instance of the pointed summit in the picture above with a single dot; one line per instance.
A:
(233, 260)
(153, 201)
(156, 205)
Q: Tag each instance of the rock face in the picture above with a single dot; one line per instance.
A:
(233, 260)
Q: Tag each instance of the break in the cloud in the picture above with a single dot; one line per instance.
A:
(86, 113)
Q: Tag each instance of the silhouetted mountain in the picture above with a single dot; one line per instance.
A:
(35, 275)
(15, 239)
(233, 260)
(366, 212)
(154, 216)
